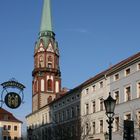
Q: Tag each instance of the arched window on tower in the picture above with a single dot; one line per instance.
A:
(41, 61)
(42, 84)
(49, 85)
(50, 62)
(35, 87)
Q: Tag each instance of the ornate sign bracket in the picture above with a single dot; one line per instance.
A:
(15, 96)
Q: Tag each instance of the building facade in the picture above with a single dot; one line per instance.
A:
(10, 127)
(123, 81)
(79, 114)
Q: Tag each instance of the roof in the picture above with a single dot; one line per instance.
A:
(120, 65)
(124, 63)
(7, 116)
(46, 23)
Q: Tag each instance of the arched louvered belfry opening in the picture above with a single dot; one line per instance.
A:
(50, 85)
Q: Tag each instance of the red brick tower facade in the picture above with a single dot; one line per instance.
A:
(46, 74)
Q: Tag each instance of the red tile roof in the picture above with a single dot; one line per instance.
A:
(7, 116)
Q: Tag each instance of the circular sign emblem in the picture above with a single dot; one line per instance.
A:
(12, 100)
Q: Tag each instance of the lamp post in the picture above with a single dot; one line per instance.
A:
(109, 107)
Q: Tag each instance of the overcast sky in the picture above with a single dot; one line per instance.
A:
(92, 34)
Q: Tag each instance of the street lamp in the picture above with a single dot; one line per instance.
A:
(106, 136)
(109, 107)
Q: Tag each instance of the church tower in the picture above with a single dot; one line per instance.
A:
(46, 82)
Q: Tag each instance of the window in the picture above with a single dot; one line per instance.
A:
(93, 127)
(49, 85)
(9, 137)
(101, 104)
(15, 138)
(68, 100)
(138, 118)
(77, 95)
(4, 127)
(138, 66)
(72, 112)
(43, 119)
(55, 117)
(93, 106)
(15, 128)
(116, 94)
(41, 61)
(46, 116)
(77, 110)
(4, 138)
(63, 116)
(42, 84)
(72, 98)
(9, 127)
(101, 84)
(101, 126)
(87, 128)
(127, 93)
(87, 109)
(68, 113)
(49, 65)
(50, 59)
(127, 71)
(93, 88)
(60, 119)
(138, 89)
(128, 116)
(87, 90)
(116, 76)
(73, 130)
(50, 62)
(116, 123)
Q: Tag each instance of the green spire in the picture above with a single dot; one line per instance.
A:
(46, 23)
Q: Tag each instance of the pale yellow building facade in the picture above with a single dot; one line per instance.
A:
(10, 127)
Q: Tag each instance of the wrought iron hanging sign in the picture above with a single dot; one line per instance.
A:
(15, 96)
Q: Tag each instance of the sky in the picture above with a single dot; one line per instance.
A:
(92, 35)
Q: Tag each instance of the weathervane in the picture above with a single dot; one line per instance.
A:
(15, 96)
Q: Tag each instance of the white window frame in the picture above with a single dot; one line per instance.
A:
(115, 79)
(125, 115)
(126, 71)
(138, 66)
(114, 93)
(138, 89)
(126, 93)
